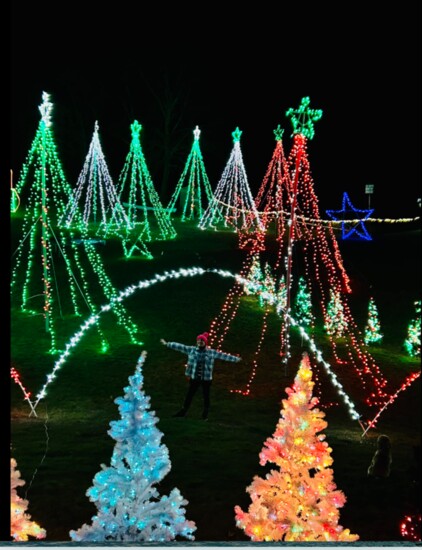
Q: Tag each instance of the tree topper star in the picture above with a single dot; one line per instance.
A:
(303, 118)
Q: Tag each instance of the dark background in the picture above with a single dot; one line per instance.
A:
(228, 65)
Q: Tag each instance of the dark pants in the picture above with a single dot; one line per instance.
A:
(193, 388)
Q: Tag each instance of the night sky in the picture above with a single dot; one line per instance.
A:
(231, 66)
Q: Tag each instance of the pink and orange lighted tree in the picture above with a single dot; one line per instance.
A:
(21, 525)
(297, 501)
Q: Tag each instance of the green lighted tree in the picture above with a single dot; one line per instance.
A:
(297, 501)
(129, 505)
(56, 271)
(281, 295)
(197, 186)
(303, 304)
(255, 277)
(372, 328)
(412, 344)
(268, 295)
(137, 193)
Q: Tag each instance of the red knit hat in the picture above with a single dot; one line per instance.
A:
(203, 337)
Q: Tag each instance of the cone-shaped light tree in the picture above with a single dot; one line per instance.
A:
(138, 195)
(232, 205)
(130, 508)
(56, 270)
(412, 343)
(95, 195)
(269, 199)
(298, 501)
(335, 321)
(21, 525)
(195, 181)
(373, 333)
(303, 304)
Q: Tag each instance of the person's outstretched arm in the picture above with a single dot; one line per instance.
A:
(226, 356)
(176, 346)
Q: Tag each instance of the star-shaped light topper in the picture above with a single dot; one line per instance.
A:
(349, 212)
(45, 109)
(303, 118)
(196, 133)
(236, 135)
(278, 132)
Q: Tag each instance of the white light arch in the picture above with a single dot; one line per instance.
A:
(166, 275)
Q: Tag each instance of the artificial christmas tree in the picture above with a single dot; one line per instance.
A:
(299, 501)
(255, 278)
(129, 506)
(21, 525)
(412, 344)
(372, 327)
(335, 320)
(268, 295)
(303, 304)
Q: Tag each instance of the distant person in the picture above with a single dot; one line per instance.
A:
(381, 461)
(199, 369)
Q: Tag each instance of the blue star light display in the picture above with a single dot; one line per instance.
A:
(351, 224)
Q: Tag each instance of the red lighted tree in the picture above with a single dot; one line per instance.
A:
(299, 501)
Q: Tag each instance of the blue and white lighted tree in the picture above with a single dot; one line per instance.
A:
(130, 508)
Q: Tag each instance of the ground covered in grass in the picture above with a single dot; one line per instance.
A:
(59, 451)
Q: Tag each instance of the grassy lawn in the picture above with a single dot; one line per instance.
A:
(59, 451)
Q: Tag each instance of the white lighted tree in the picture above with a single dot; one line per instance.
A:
(95, 195)
(373, 333)
(130, 508)
(412, 343)
(232, 205)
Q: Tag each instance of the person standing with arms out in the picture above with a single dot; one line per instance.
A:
(199, 369)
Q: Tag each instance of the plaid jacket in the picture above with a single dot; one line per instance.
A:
(210, 356)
